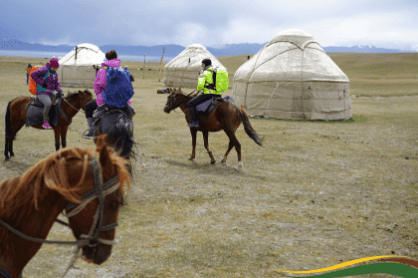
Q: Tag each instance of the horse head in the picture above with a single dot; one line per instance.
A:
(86, 96)
(175, 98)
(98, 218)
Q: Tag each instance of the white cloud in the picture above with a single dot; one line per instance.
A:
(64, 40)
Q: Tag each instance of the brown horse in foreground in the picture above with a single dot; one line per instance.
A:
(69, 180)
(16, 118)
(225, 116)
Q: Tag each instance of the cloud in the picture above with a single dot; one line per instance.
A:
(184, 22)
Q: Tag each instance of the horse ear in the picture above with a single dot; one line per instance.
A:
(104, 154)
(179, 88)
(171, 90)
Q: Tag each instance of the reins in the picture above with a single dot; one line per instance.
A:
(78, 110)
(180, 101)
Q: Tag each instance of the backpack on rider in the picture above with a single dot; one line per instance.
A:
(118, 87)
(32, 83)
(220, 80)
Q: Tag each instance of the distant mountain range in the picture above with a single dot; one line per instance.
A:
(173, 50)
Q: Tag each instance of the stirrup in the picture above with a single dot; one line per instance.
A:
(89, 134)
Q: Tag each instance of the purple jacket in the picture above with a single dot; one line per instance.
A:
(100, 81)
(51, 81)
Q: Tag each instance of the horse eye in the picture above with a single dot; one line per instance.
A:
(113, 206)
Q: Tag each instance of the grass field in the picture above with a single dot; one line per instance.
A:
(315, 195)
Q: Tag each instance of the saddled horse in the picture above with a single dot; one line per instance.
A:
(225, 116)
(17, 110)
(67, 181)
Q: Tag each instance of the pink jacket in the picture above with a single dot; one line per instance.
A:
(100, 81)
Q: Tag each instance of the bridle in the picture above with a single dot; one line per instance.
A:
(100, 191)
(180, 101)
(78, 110)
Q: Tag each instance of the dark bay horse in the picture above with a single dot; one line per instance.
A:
(85, 184)
(16, 118)
(225, 116)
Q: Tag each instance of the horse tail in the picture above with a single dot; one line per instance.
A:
(248, 128)
(122, 136)
(9, 134)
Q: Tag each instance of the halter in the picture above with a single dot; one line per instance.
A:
(100, 192)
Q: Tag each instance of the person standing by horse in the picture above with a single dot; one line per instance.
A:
(205, 83)
(46, 79)
(99, 88)
(29, 67)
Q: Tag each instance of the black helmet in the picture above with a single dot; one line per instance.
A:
(207, 62)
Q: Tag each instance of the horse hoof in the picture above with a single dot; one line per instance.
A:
(240, 166)
(12, 154)
(7, 159)
(213, 162)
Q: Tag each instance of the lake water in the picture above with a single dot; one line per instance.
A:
(41, 54)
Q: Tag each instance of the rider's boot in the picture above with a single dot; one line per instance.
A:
(194, 124)
(90, 134)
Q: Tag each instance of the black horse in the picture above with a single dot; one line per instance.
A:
(117, 124)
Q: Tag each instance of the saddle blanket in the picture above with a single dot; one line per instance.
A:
(35, 114)
(206, 107)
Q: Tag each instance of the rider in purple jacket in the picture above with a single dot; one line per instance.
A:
(47, 82)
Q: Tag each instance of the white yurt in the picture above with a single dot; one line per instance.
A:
(79, 66)
(293, 78)
(183, 70)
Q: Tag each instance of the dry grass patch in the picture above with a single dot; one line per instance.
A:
(314, 195)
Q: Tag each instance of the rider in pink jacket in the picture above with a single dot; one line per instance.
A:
(100, 81)
(99, 88)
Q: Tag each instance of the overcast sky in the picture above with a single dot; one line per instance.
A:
(384, 23)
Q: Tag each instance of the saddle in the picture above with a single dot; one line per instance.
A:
(35, 114)
(206, 107)
(111, 116)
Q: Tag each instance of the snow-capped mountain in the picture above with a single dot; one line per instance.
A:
(174, 50)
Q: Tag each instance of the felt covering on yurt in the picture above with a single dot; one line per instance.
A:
(183, 70)
(80, 69)
(292, 77)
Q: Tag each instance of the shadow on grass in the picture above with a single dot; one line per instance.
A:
(215, 169)
(354, 119)
(17, 166)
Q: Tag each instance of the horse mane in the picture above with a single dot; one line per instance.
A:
(180, 92)
(71, 95)
(20, 195)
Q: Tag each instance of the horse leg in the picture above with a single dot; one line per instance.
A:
(11, 148)
(206, 142)
(193, 131)
(9, 142)
(57, 132)
(6, 149)
(234, 140)
(64, 136)
(231, 145)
